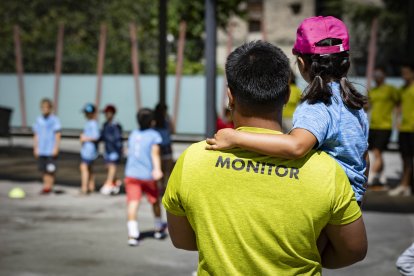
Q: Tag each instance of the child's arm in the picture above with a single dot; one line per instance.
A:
(294, 145)
(57, 144)
(156, 162)
(368, 164)
(35, 145)
(84, 138)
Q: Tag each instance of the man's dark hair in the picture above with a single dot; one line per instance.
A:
(145, 117)
(258, 77)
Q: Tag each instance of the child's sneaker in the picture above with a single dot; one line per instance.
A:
(45, 191)
(116, 187)
(133, 241)
(105, 190)
(161, 234)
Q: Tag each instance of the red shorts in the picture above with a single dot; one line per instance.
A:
(134, 188)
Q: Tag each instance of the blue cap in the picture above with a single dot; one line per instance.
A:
(89, 108)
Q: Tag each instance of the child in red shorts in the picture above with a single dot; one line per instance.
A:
(142, 170)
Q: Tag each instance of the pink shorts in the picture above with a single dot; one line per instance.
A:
(135, 187)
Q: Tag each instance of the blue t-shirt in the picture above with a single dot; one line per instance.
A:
(111, 135)
(341, 132)
(89, 150)
(139, 162)
(45, 128)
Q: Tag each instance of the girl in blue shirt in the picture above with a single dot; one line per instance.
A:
(330, 117)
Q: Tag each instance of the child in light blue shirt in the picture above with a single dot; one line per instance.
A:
(142, 171)
(46, 135)
(89, 150)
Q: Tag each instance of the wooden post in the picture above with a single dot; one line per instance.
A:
(20, 71)
(100, 65)
(135, 63)
(229, 48)
(210, 57)
(179, 69)
(263, 23)
(58, 66)
(372, 52)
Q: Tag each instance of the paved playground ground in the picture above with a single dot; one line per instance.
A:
(69, 234)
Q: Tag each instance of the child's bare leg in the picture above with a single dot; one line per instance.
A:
(111, 174)
(322, 242)
(132, 224)
(133, 209)
(84, 177)
(91, 180)
(48, 181)
(156, 208)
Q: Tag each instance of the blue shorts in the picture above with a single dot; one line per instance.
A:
(112, 158)
(87, 161)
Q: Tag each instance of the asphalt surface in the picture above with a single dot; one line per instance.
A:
(69, 234)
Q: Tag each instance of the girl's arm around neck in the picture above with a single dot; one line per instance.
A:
(294, 145)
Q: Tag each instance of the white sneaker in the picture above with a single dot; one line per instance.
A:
(105, 190)
(115, 190)
(400, 191)
(133, 241)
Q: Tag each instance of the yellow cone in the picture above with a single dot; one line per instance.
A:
(17, 193)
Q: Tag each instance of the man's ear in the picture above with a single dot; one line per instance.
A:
(231, 98)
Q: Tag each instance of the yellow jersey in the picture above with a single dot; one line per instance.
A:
(258, 215)
(407, 109)
(383, 100)
(294, 99)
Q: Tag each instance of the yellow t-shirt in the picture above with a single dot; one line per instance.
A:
(294, 99)
(255, 214)
(383, 99)
(407, 109)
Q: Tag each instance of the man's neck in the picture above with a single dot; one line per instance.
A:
(271, 123)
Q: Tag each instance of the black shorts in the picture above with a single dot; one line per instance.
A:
(47, 164)
(406, 143)
(378, 139)
(166, 151)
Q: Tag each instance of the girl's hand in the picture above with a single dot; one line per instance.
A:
(224, 139)
(157, 174)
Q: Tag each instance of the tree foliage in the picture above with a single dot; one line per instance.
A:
(392, 32)
(39, 21)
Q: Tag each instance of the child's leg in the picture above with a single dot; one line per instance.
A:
(91, 180)
(133, 229)
(84, 177)
(134, 193)
(48, 181)
(111, 174)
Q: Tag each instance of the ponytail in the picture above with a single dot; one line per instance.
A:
(327, 68)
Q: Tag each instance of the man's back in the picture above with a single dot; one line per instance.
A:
(255, 214)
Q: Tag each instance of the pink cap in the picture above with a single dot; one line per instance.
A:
(314, 29)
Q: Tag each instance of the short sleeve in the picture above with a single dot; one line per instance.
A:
(95, 133)
(57, 127)
(344, 208)
(314, 118)
(157, 138)
(172, 199)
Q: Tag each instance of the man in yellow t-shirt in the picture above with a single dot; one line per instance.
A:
(290, 107)
(383, 100)
(249, 214)
(406, 134)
